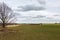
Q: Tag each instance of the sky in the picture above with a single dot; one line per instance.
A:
(35, 11)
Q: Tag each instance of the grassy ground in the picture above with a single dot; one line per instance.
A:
(33, 32)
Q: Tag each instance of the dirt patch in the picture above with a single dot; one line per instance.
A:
(12, 25)
(8, 30)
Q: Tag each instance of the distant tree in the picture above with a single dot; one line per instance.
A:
(6, 15)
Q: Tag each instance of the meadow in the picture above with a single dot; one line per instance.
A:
(32, 32)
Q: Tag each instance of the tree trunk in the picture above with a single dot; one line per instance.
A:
(3, 26)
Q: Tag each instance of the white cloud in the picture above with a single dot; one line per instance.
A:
(52, 8)
(53, 3)
(47, 17)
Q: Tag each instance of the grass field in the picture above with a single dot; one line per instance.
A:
(33, 32)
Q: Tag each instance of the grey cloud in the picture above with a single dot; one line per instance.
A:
(52, 19)
(30, 7)
(38, 16)
(42, 2)
(56, 15)
(49, 18)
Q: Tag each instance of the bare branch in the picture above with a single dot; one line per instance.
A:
(6, 14)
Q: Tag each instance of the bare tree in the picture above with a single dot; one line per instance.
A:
(6, 15)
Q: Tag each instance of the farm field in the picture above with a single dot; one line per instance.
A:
(32, 32)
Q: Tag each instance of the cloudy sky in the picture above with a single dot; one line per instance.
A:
(35, 11)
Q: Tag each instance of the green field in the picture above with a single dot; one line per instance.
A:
(33, 32)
